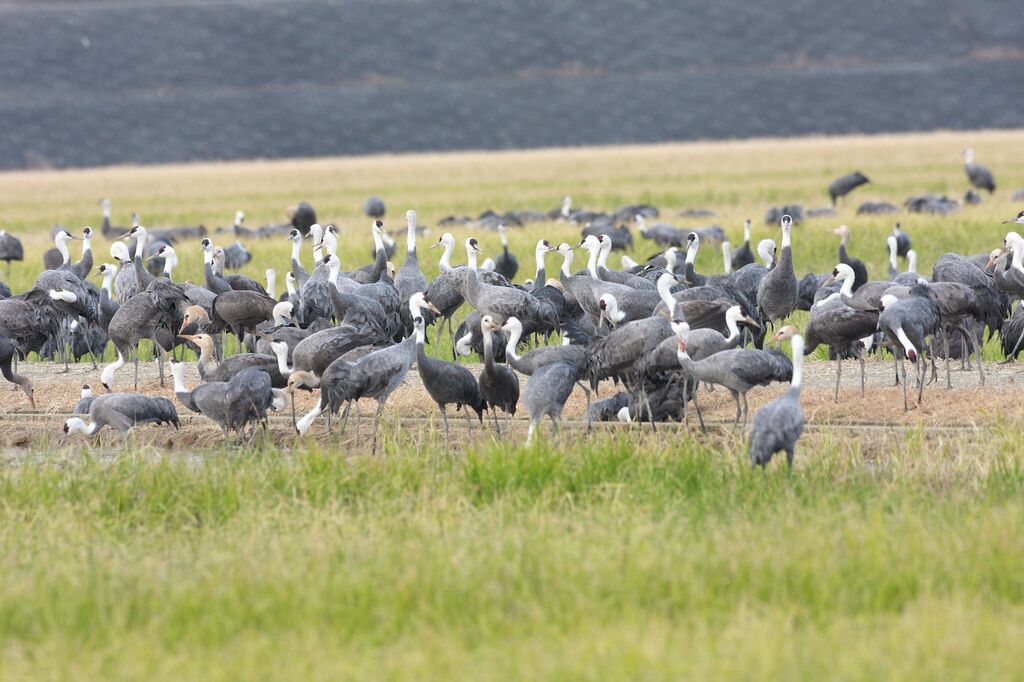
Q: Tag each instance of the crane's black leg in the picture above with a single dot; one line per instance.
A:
(839, 373)
(376, 425)
(903, 371)
(860, 358)
(920, 384)
(136, 367)
(469, 421)
(746, 410)
(444, 413)
(739, 410)
(696, 405)
(344, 416)
(88, 346)
(945, 342)
(64, 344)
(977, 351)
(896, 367)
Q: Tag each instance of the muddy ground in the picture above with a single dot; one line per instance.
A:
(409, 412)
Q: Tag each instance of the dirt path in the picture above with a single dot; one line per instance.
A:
(968, 405)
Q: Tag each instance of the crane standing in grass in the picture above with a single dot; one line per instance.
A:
(777, 426)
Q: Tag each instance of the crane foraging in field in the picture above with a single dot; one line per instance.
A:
(978, 175)
(122, 411)
(777, 426)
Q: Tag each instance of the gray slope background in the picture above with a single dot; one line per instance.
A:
(151, 81)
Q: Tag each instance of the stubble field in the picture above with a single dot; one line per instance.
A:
(892, 549)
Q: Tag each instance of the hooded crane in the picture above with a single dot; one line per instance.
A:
(275, 365)
(506, 263)
(499, 385)
(902, 241)
(778, 291)
(546, 393)
(72, 297)
(248, 397)
(738, 370)
(978, 175)
(7, 351)
(122, 411)
(447, 382)
(778, 425)
(409, 279)
(860, 272)
(907, 323)
(28, 321)
(10, 249)
(502, 302)
(207, 399)
(150, 314)
(845, 184)
(143, 277)
(84, 401)
(843, 329)
(743, 255)
(375, 375)
(244, 310)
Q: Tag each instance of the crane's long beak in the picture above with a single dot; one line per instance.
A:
(187, 337)
(828, 281)
(126, 236)
(751, 321)
(600, 319)
(436, 245)
(433, 308)
(31, 400)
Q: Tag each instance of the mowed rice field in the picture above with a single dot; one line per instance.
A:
(892, 550)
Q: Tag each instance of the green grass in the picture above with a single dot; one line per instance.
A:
(736, 179)
(600, 558)
(600, 561)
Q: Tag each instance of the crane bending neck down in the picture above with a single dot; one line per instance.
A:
(76, 425)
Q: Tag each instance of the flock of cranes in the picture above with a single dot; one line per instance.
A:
(658, 329)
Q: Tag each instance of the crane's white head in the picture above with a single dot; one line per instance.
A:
(1018, 220)
(680, 328)
(420, 300)
(86, 233)
(63, 237)
(86, 391)
(841, 273)
(968, 155)
(784, 334)
(377, 228)
(445, 241)
(105, 205)
(137, 232)
(472, 246)
(513, 327)
(564, 249)
(487, 324)
(787, 222)
(73, 426)
(886, 300)
(218, 254)
(282, 313)
(239, 217)
(107, 270)
(543, 246)
(591, 242)
(766, 250)
(410, 218)
(842, 231)
(294, 236)
(119, 252)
